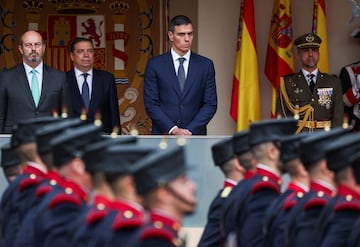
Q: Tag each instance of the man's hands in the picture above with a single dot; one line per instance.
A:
(179, 131)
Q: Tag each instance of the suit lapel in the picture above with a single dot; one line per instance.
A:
(96, 87)
(24, 83)
(172, 74)
(191, 74)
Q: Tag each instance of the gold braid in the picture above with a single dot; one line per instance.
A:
(307, 110)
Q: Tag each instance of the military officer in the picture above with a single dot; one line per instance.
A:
(264, 186)
(52, 226)
(50, 182)
(109, 164)
(167, 193)
(278, 212)
(302, 229)
(313, 95)
(20, 194)
(224, 157)
(340, 156)
(245, 158)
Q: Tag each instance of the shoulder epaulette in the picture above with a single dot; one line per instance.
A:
(96, 214)
(292, 200)
(127, 219)
(64, 198)
(43, 190)
(348, 204)
(316, 202)
(29, 181)
(158, 232)
(226, 191)
(265, 183)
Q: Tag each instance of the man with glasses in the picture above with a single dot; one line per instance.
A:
(31, 89)
(91, 89)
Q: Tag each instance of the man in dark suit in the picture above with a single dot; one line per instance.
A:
(316, 96)
(98, 94)
(30, 89)
(179, 86)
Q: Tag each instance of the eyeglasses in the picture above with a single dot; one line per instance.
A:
(31, 45)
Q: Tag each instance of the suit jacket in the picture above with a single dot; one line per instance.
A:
(326, 99)
(17, 103)
(167, 106)
(103, 98)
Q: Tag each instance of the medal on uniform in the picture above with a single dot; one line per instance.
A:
(325, 97)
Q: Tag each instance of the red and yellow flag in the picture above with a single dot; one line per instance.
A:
(280, 53)
(319, 27)
(245, 100)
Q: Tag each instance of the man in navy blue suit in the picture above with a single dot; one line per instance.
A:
(179, 86)
(101, 96)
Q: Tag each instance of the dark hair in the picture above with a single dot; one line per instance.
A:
(77, 40)
(177, 21)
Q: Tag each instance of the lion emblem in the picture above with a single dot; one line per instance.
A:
(90, 29)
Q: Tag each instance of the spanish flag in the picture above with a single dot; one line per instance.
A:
(280, 53)
(319, 27)
(245, 101)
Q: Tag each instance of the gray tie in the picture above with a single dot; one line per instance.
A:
(85, 91)
(181, 73)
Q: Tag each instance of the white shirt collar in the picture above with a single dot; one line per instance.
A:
(79, 73)
(38, 68)
(176, 56)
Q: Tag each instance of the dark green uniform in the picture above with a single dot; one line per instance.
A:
(326, 100)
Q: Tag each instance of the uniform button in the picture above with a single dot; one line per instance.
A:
(300, 194)
(178, 122)
(100, 206)
(53, 182)
(128, 214)
(68, 191)
(348, 198)
(320, 194)
(32, 176)
(312, 99)
(265, 178)
(181, 107)
(158, 224)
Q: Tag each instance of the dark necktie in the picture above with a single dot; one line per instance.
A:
(85, 91)
(181, 73)
(311, 82)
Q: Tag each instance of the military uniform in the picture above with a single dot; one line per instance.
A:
(346, 212)
(211, 235)
(318, 108)
(52, 227)
(342, 157)
(20, 195)
(303, 224)
(46, 190)
(105, 216)
(223, 155)
(324, 104)
(125, 224)
(153, 173)
(348, 75)
(90, 221)
(264, 185)
(277, 214)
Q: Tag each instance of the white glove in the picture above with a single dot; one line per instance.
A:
(356, 86)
